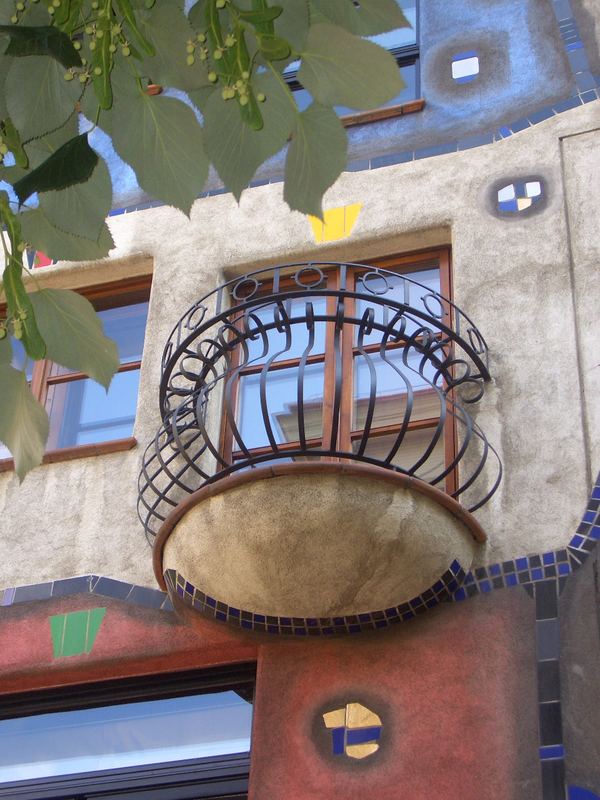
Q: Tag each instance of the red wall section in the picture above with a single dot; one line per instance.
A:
(456, 693)
(131, 641)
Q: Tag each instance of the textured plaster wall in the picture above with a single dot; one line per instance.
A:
(514, 277)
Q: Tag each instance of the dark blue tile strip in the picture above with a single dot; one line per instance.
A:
(299, 626)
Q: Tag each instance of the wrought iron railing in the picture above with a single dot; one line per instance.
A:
(294, 318)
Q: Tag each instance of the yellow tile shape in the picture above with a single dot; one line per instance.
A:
(357, 716)
(335, 719)
(523, 203)
(361, 750)
(337, 223)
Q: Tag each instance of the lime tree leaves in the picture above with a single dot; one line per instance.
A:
(311, 169)
(23, 421)
(341, 69)
(73, 334)
(176, 92)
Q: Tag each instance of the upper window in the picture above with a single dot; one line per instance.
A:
(402, 44)
(81, 412)
(389, 396)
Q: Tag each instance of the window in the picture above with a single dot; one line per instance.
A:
(402, 44)
(182, 736)
(81, 412)
(388, 392)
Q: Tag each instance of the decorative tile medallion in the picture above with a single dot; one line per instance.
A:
(355, 730)
(519, 196)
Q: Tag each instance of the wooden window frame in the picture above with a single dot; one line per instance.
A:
(102, 296)
(412, 262)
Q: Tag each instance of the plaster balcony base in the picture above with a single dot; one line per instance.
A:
(313, 541)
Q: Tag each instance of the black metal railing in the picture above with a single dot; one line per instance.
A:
(396, 364)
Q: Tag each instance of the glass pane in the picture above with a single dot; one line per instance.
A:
(82, 412)
(126, 325)
(410, 451)
(390, 389)
(19, 359)
(303, 97)
(282, 403)
(398, 290)
(299, 334)
(125, 735)
(401, 37)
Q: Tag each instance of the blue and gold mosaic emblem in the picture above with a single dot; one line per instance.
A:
(355, 730)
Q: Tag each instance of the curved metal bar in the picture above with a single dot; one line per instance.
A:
(209, 352)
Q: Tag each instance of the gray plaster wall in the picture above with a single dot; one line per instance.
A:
(529, 283)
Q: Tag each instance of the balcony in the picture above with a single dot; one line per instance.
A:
(317, 466)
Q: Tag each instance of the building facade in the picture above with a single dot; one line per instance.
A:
(438, 329)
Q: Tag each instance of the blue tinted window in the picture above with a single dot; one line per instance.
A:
(124, 735)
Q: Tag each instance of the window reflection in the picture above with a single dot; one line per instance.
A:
(278, 339)
(282, 404)
(126, 735)
(82, 412)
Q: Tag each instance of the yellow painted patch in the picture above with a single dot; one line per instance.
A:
(357, 716)
(523, 203)
(338, 223)
(335, 719)
(361, 750)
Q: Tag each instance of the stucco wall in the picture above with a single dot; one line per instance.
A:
(514, 277)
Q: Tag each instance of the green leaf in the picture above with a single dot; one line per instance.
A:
(169, 30)
(41, 41)
(102, 59)
(13, 142)
(41, 234)
(260, 16)
(38, 97)
(73, 334)
(81, 208)
(197, 15)
(72, 163)
(160, 138)
(39, 150)
(233, 147)
(273, 48)
(341, 69)
(368, 18)
(293, 23)
(23, 421)
(132, 26)
(19, 306)
(5, 350)
(315, 159)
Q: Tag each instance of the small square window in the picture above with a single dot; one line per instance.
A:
(465, 67)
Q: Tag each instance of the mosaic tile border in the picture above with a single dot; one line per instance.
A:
(587, 90)
(532, 569)
(96, 585)
(441, 591)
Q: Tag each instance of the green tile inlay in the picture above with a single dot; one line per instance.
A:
(75, 633)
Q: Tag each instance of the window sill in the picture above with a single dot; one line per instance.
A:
(412, 107)
(79, 451)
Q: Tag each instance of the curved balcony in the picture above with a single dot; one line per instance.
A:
(310, 373)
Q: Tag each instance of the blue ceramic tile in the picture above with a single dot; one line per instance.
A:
(562, 9)
(485, 586)
(460, 595)
(35, 591)
(475, 141)
(565, 105)
(589, 516)
(363, 735)
(537, 574)
(108, 587)
(358, 166)
(436, 150)
(511, 580)
(389, 160)
(495, 570)
(69, 586)
(564, 569)
(522, 563)
(595, 533)
(552, 751)
(541, 115)
(144, 596)
(576, 541)
(519, 125)
(548, 558)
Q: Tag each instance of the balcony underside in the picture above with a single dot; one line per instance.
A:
(314, 542)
